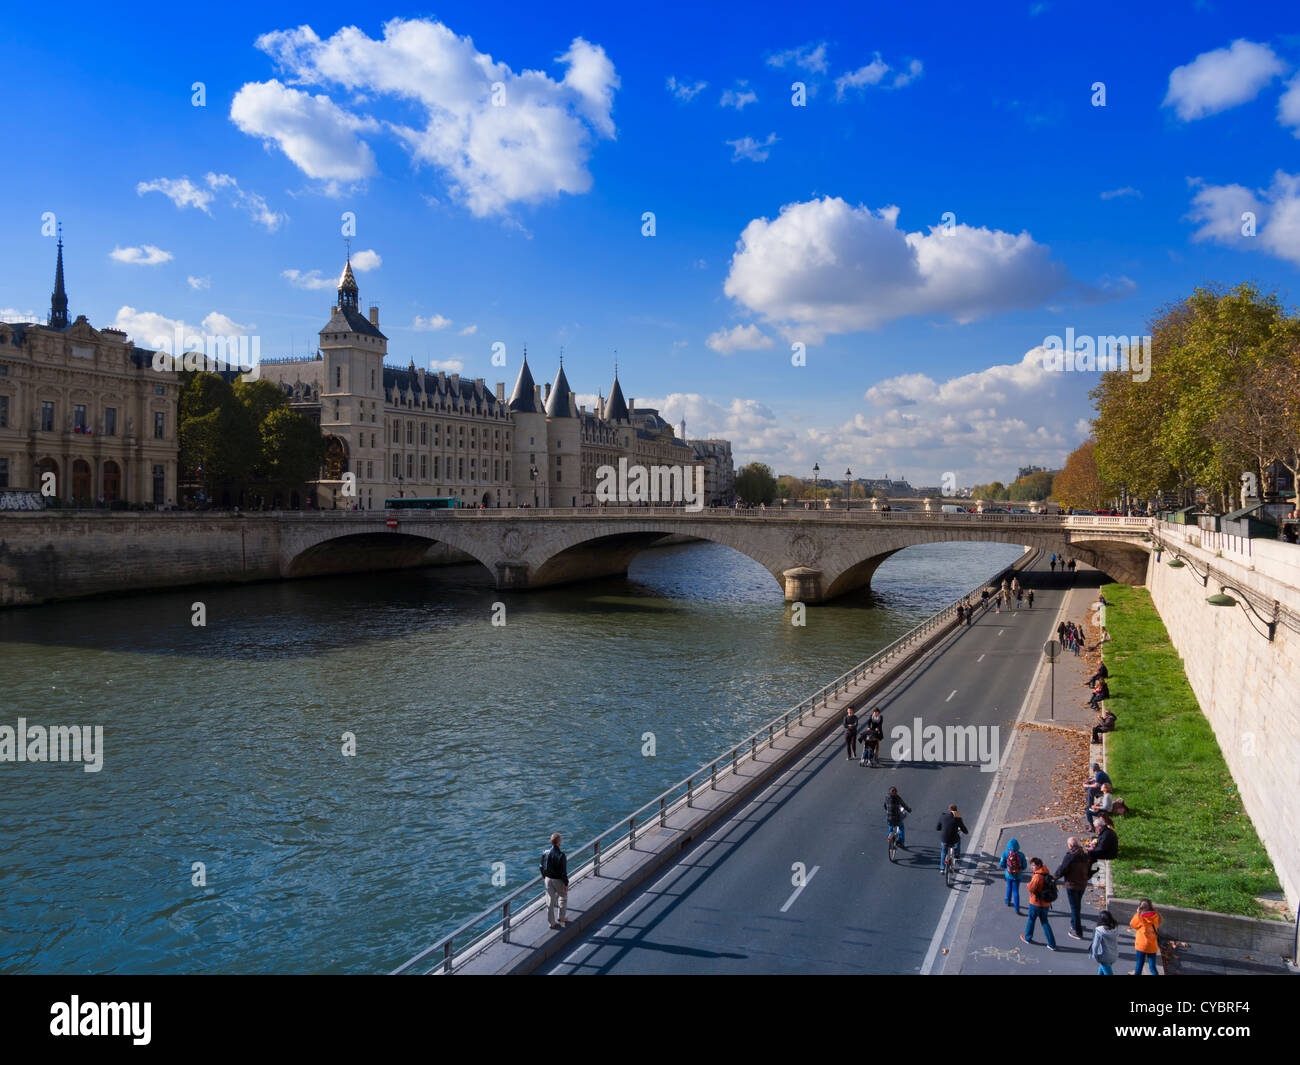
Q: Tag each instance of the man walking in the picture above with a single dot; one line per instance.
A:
(1042, 893)
(555, 872)
(851, 733)
(1074, 871)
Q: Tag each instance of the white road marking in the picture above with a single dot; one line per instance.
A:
(797, 891)
(980, 659)
(949, 699)
(1001, 631)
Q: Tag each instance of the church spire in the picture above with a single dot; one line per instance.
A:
(59, 299)
(349, 294)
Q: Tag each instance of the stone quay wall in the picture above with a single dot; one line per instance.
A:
(1248, 686)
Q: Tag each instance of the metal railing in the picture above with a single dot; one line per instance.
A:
(493, 924)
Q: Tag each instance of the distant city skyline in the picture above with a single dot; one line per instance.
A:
(934, 207)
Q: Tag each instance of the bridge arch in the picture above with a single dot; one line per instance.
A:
(362, 552)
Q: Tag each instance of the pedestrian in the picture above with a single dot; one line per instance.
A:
(1042, 893)
(1060, 632)
(1029, 598)
(997, 603)
(1146, 942)
(1019, 596)
(894, 810)
(1073, 870)
(1012, 863)
(1051, 563)
(961, 615)
(875, 733)
(851, 733)
(984, 598)
(1105, 944)
(555, 872)
(951, 826)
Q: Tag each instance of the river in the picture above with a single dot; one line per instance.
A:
(223, 745)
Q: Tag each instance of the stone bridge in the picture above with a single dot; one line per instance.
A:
(814, 555)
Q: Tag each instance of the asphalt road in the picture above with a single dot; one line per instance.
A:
(732, 903)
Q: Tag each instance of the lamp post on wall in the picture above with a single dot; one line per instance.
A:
(532, 476)
(816, 470)
(848, 486)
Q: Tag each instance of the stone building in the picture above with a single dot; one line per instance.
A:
(87, 406)
(719, 469)
(416, 434)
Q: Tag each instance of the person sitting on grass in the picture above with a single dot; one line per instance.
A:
(1103, 805)
(1106, 846)
(1101, 674)
(1106, 724)
(1099, 693)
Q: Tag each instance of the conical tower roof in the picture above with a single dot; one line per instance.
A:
(616, 405)
(349, 294)
(524, 398)
(558, 404)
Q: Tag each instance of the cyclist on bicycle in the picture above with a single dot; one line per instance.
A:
(952, 826)
(894, 809)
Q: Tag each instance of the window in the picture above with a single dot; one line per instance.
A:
(47, 417)
(424, 434)
(507, 469)
(496, 470)
(110, 421)
(4, 370)
(424, 467)
(338, 376)
(372, 380)
(397, 431)
(397, 466)
(158, 390)
(558, 459)
(4, 473)
(437, 468)
(159, 485)
(460, 469)
(410, 463)
(336, 410)
(4, 412)
(79, 417)
(159, 424)
(410, 432)
(370, 471)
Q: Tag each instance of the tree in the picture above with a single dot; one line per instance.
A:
(293, 449)
(1080, 485)
(1035, 487)
(789, 487)
(218, 439)
(756, 483)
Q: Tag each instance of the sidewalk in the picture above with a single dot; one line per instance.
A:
(1041, 805)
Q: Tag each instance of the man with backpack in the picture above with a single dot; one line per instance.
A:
(1074, 871)
(555, 872)
(1042, 893)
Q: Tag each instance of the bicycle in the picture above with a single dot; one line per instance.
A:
(950, 866)
(894, 832)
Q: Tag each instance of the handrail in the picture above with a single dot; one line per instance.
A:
(502, 912)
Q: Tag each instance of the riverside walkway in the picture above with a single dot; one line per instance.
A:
(729, 904)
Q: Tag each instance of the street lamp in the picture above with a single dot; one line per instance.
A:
(848, 486)
(532, 476)
(816, 470)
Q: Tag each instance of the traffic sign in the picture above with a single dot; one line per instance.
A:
(391, 523)
(1051, 649)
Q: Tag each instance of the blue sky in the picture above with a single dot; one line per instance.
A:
(775, 224)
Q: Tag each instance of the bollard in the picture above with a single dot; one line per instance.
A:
(505, 922)
(663, 812)
(446, 956)
(690, 792)
(597, 856)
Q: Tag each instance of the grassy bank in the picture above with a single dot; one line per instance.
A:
(1188, 830)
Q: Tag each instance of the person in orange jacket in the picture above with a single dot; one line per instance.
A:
(1042, 893)
(1147, 943)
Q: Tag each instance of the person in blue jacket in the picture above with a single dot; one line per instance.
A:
(1013, 863)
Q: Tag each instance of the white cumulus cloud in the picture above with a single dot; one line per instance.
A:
(496, 136)
(198, 283)
(1222, 211)
(431, 324)
(1215, 81)
(738, 97)
(741, 338)
(185, 193)
(369, 259)
(152, 330)
(811, 57)
(823, 267)
(447, 365)
(145, 255)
